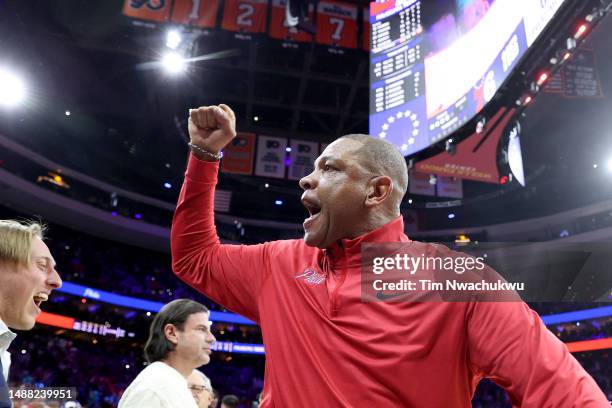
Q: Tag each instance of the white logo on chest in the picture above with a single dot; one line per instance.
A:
(311, 277)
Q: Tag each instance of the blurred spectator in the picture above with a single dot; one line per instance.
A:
(230, 401)
(179, 341)
(201, 388)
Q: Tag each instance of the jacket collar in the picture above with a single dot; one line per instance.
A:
(393, 231)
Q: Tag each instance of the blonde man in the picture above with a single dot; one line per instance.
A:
(27, 277)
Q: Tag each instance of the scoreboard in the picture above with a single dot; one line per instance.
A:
(435, 64)
(397, 91)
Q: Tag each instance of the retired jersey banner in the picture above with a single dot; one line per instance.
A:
(302, 157)
(154, 10)
(279, 28)
(451, 187)
(238, 156)
(245, 16)
(419, 183)
(201, 13)
(337, 24)
(271, 152)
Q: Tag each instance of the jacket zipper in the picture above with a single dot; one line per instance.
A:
(334, 296)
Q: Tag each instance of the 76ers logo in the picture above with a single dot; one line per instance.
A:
(151, 4)
(311, 277)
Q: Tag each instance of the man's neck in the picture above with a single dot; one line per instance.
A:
(184, 368)
(374, 222)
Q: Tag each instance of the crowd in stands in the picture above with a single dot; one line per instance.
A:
(100, 367)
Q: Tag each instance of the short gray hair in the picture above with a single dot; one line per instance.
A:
(382, 158)
(207, 383)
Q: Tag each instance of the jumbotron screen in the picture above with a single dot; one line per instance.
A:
(434, 64)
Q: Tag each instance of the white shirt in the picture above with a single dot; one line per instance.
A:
(158, 386)
(6, 338)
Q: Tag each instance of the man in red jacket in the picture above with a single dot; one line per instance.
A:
(325, 347)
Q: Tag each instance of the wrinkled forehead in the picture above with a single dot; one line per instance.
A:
(197, 379)
(343, 149)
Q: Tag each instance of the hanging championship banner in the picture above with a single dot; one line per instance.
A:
(301, 159)
(154, 10)
(201, 13)
(238, 155)
(450, 187)
(222, 201)
(337, 24)
(420, 184)
(245, 16)
(279, 28)
(271, 152)
(366, 29)
(580, 76)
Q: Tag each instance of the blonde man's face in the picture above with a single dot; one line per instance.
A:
(23, 288)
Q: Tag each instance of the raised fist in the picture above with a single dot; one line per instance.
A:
(212, 127)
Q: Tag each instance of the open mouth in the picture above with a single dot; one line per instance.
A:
(39, 298)
(313, 210)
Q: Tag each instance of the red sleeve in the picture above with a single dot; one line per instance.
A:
(231, 275)
(509, 344)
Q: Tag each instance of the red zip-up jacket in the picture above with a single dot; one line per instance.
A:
(326, 348)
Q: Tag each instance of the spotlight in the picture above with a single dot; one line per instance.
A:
(288, 149)
(167, 185)
(451, 216)
(527, 100)
(480, 125)
(566, 56)
(278, 202)
(410, 201)
(267, 185)
(138, 216)
(174, 63)
(581, 30)
(67, 113)
(433, 179)
(450, 147)
(255, 118)
(12, 89)
(173, 39)
(542, 78)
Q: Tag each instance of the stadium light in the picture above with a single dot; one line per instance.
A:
(173, 39)
(12, 89)
(609, 164)
(542, 78)
(174, 63)
(581, 30)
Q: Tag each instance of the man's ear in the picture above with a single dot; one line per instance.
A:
(379, 189)
(170, 331)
